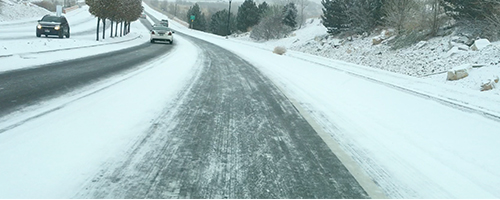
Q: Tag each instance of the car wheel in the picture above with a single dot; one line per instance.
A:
(61, 34)
(152, 41)
(67, 35)
(38, 34)
(171, 41)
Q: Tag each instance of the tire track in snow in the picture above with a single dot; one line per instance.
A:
(234, 135)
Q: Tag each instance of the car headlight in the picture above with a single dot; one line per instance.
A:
(57, 27)
(39, 26)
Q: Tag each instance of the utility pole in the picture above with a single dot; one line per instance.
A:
(229, 19)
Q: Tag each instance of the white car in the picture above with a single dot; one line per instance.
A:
(162, 33)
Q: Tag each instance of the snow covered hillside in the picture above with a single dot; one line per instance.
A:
(427, 59)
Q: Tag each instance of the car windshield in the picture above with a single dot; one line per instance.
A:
(51, 19)
(161, 28)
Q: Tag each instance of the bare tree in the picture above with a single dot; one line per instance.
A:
(433, 16)
(399, 13)
(493, 19)
(163, 5)
(302, 6)
(271, 26)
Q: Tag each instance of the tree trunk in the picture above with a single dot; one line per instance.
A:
(103, 28)
(128, 27)
(111, 30)
(116, 29)
(97, 33)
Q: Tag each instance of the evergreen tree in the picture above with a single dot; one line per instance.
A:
(378, 11)
(263, 7)
(199, 22)
(218, 23)
(290, 15)
(248, 15)
(364, 15)
(334, 16)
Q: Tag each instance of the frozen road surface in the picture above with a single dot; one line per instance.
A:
(233, 135)
(189, 120)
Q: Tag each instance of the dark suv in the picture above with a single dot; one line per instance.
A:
(53, 25)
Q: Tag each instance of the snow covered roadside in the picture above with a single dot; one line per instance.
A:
(429, 59)
(65, 141)
(412, 146)
(14, 13)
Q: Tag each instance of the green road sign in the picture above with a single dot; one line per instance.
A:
(192, 17)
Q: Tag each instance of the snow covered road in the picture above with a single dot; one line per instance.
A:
(234, 135)
(189, 125)
(411, 145)
(211, 126)
(22, 88)
(56, 145)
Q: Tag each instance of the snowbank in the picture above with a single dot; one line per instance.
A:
(12, 12)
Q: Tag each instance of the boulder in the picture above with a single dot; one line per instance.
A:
(488, 85)
(385, 34)
(480, 44)
(421, 44)
(452, 52)
(470, 42)
(336, 42)
(460, 46)
(377, 40)
(458, 72)
(460, 39)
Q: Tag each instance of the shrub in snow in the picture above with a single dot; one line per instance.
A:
(279, 50)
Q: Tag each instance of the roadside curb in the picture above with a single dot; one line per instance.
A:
(364, 180)
(71, 48)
